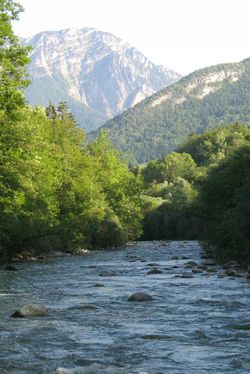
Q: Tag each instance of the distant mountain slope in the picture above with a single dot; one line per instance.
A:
(98, 74)
(216, 95)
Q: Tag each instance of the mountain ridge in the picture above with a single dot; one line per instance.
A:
(210, 96)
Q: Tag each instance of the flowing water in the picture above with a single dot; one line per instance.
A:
(193, 326)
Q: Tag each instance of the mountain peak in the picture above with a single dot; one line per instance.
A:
(94, 68)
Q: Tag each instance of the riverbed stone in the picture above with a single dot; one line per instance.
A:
(107, 274)
(206, 256)
(154, 271)
(92, 369)
(230, 272)
(192, 263)
(211, 270)
(197, 271)
(152, 264)
(186, 275)
(31, 310)
(10, 268)
(231, 264)
(175, 258)
(140, 296)
(84, 307)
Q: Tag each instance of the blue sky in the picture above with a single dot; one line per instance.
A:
(184, 35)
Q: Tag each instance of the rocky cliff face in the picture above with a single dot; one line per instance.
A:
(93, 70)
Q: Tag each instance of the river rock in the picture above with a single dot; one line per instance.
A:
(186, 275)
(133, 257)
(154, 271)
(84, 307)
(140, 296)
(31, 310)
(197, 271)
(206, 256)
(230, 272)
(107, 274)
(202, 267)
(98, 285)
(191, 263)
(10, 268)
(92, 369)
(231, 264)
(211, 270)
(152, 264)
(175, 258)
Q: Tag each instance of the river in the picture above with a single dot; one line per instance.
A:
(193, 325)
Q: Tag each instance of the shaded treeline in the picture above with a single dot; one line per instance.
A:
(202, 191)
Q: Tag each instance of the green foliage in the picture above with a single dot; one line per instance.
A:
(172, 166)
(13, 59)
(121, 187)
(172, 181)
(28, 178)
(55, 190)
(215, 144)
(58, 192)
(225, 202)
(209, 201)
(46, 89)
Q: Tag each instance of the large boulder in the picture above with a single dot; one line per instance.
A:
(139, 297)
(31, 310)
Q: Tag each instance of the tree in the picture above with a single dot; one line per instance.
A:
(13, 59)
(29, 177)
(225, 205)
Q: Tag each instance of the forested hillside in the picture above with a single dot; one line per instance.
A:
(208, 97)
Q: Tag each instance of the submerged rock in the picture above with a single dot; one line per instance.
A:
(107, 274)
(10, 268)
(230, 272)
(197, 271)
(154, 271)
(84, 307)
(175, 258)
(92, 369)
(231, 264)
(152, 264)
(31, 310)
(186, 275)
(140, 296)
(191, 264)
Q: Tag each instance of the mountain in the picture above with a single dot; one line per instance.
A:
(212, 96)
(98, 74)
